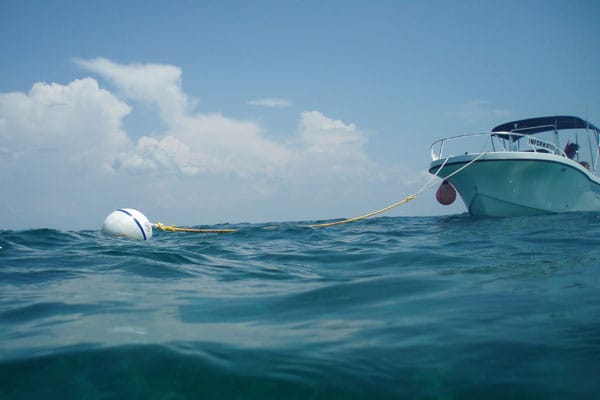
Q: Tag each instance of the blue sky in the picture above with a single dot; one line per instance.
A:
(198, 112)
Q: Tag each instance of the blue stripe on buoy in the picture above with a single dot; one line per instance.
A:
(136, 222)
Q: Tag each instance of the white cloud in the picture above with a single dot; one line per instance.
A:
(325, 135)
(208, 144)
(153, 83)
(270, 102)
(78, 121)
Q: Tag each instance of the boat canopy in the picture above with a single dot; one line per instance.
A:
(543, 124)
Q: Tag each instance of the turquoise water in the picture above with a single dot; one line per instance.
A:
(417, 308)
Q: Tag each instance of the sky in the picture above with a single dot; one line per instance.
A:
(210, 112)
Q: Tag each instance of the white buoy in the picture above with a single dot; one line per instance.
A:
(129, 223)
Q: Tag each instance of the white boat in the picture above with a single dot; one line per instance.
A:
(532, 166)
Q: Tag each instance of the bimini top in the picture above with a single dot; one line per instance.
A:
(543, 124)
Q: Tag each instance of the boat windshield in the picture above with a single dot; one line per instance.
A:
(578, 138)
(566, 136)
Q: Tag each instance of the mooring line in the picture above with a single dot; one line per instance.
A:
(172, 228)
(430, 184)
(385, 209)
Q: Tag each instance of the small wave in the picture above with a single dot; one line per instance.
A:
(428, 307)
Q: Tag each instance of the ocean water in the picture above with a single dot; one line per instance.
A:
(451, 307)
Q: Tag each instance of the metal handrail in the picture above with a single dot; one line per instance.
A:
(505, 140)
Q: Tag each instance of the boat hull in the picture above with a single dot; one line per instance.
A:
(515, 184)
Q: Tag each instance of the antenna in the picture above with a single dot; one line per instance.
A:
(587, 111)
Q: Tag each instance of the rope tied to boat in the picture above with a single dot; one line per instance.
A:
(346, 221)
(430, 184)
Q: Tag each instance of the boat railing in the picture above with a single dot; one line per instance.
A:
(491, 142)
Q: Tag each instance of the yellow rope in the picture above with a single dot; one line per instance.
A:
(408, 198)
(171, 228)
(425, 187)
(405, 200)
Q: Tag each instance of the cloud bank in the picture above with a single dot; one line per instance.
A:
(73, 134)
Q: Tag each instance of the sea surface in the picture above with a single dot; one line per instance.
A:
(452, 307)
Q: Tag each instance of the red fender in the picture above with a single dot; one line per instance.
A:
(446, 194)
